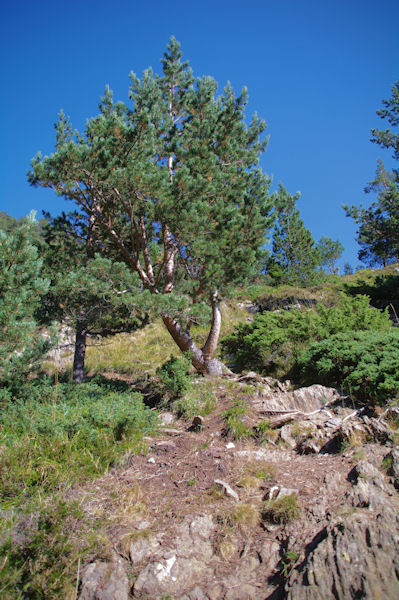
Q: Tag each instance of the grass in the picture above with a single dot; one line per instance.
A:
(51, 438)
(254, 473)
(234, 419)
(281, 510)
(144, 351)
(198, 400)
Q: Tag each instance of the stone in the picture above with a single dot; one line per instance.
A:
(286, 492)
(355, 558)
(394, 466)
(198, 423)
(305, 399)
(143, 548)
(167, 418)
(286, 435)
(227, 489)
(269, 554)
(105, 581)
(181, 568)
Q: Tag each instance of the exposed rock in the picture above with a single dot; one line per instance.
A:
(394, 466)
(356, 558)
(378, 430)
(143, 548)
(179, 569)
(269, 554)
(286, 435)
(105, 581)
(286, 492)
(305, 399)
(197, 423)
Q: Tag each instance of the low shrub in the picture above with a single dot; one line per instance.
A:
(272, 342)
(364, 363)
(174, 376)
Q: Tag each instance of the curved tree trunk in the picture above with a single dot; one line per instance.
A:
(201, 357)
(80, 351)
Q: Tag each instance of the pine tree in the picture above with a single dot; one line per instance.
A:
(329, 252)
(174, 183)
(21, 289)
(378, 233)
(295, 258)
(93, 295)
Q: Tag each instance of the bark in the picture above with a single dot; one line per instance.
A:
(212, 341)
(80, 351)
(201, 361)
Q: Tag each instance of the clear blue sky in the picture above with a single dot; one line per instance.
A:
(316, 71)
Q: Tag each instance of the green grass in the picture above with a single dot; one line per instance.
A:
(234, 419)
(51, 438)
(281, 510)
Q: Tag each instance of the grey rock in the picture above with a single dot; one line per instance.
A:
(286, 492)
(228, 490)
(105, 581)
(306, 399)
(181, 568)
(167, 418)
(310, 446)
(269, 554)
(143, 548)
(394, 468)
(356, 558)
(286, 435)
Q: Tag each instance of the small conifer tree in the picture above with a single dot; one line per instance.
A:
(21, 290)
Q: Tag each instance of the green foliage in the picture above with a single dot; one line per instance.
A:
(42, 562)
(21, 288)
(175, 183)
(288, 562)
(272, 341)
(378, 233)
(329, 252)
(295, 258)
(234, 421)
(364, 363)
(174, 375)
(382, 289)
(281, 510)
(57, 434)
(197, 400)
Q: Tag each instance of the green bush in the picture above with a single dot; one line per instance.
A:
(364, 363)
(174, 376)
(272, 342)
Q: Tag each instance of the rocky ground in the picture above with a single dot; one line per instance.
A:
(200, 516)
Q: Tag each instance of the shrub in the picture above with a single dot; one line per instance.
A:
(174, 375)
(364, 363)
(272, 342)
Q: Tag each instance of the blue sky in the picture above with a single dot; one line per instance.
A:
(316, 71)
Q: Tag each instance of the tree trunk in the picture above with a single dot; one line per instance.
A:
(201, 358)
(80, 351)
